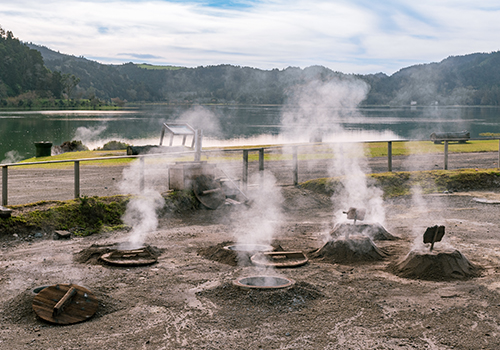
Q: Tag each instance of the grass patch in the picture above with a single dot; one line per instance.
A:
(402, 183)
(81, 216)
(86, 215)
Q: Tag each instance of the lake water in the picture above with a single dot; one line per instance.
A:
(237, 125)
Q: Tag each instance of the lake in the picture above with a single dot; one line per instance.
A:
(237, 125)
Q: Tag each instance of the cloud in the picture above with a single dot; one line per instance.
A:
(357, 36)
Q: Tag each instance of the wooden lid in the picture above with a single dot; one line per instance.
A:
(279, 259)
(209, 192)
(135, 257)
(65, 304)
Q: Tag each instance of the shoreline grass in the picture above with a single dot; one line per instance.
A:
(274, 153)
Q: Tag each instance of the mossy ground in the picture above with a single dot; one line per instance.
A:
(90, 215)
(402, 183)
(84, 216)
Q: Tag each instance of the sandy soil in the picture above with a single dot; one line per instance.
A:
(188, 301)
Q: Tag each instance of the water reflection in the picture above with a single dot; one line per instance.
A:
(235, 125)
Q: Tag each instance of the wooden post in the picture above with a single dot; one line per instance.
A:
(141, 175)
(295, 166)
(197, 145)
(389, 156)
(245, 170)
(77, 179)
(446, 155)
(261, 166)
(4, 185)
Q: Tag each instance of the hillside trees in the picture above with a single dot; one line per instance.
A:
(22, 70)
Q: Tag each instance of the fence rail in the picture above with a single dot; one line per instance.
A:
(197, 156)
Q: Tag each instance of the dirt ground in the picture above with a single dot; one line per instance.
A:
(188, 301)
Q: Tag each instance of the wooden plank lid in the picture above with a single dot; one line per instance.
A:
(65, 304)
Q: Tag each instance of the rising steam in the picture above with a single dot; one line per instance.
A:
(11, 157)
(142, 209)
(320, 107)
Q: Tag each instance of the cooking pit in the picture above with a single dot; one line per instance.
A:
(233, 254)
(118, 254)
(129, 257)
(279, 259)
(373, 230)
(349, 250)
(443, 264)
(264, 282)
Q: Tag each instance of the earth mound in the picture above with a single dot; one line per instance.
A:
(219, 254)
(289, 299)
(353, 249)
(443, 266)
(375, 231)
(230, 257)
(92, 254)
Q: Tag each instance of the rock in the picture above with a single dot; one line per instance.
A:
(62, 234)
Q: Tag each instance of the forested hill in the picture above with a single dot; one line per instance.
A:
(465, 80)
(22, 70)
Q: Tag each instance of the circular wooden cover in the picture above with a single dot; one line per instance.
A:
(80, 306)
(135, 257)
(209, 192)
(279, 259)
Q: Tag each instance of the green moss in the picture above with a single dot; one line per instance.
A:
(86, 215)
(402, 183)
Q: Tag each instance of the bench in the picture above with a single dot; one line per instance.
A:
(440, 137)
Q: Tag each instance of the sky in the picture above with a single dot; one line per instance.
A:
(349, 36)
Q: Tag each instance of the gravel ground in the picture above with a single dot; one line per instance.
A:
(188, 301)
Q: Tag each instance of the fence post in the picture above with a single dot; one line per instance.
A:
(77, 179)
(141, 174)
(4, 185)
(446, 155)
(245, 170)
(198, 134)
(295, 166)
(389, 156)
(261, 166)
(498, 153)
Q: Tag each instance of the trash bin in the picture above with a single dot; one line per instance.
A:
(43, 149)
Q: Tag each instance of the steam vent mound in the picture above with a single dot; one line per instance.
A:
(92, 255)
(234, 254)
(353, 249)
(375, 231)
(443, 266)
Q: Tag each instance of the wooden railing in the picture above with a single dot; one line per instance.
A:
(245, 154)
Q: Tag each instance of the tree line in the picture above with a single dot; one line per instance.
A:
(29, 72)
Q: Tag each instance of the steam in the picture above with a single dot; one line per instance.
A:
(258, 223)
(141, 216)
(422, 206)
(87, 135)
(142, 209)
(200, 116)
(11, 157)
(320, 108)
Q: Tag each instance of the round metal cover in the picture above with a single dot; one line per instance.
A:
(65, 304)
(264, 282)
